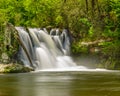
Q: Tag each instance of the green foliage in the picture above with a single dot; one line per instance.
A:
(91, 31)
(78, 48)
(29, 12)
(59, 20)
(87, 19)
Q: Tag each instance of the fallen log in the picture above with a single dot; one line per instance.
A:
(95, 42)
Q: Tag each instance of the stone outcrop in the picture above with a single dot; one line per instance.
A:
(14, 68)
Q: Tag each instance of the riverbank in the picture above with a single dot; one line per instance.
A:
(14, 68)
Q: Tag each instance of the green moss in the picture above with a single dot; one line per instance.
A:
(15, 68)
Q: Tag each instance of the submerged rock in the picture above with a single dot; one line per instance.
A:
(14, 68)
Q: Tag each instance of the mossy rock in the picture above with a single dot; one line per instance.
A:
(14, 68)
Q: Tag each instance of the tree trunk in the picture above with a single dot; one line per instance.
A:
(86, 1)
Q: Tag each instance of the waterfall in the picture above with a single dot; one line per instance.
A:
(45, 50)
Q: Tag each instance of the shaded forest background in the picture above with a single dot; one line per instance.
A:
(94, 24)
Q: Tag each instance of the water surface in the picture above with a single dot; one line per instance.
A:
(61, 83)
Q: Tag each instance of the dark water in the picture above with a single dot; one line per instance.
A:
(61, 84)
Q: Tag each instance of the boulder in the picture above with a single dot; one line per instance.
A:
(14, 68)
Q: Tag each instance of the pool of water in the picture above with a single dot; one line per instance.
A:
(61, 83)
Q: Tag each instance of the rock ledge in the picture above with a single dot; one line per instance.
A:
(14, 68)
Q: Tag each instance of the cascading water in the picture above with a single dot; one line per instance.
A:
(45, 50)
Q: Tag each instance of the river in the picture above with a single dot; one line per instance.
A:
(61, 83)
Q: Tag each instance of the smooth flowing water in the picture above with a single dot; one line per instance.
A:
(41, 50)
(61, 83)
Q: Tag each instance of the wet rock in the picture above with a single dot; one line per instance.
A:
(14, 68)
(4, 58)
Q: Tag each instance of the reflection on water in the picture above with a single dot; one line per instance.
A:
(61, 84)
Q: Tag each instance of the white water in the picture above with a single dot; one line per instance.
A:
(45, 51)
(75, 69)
